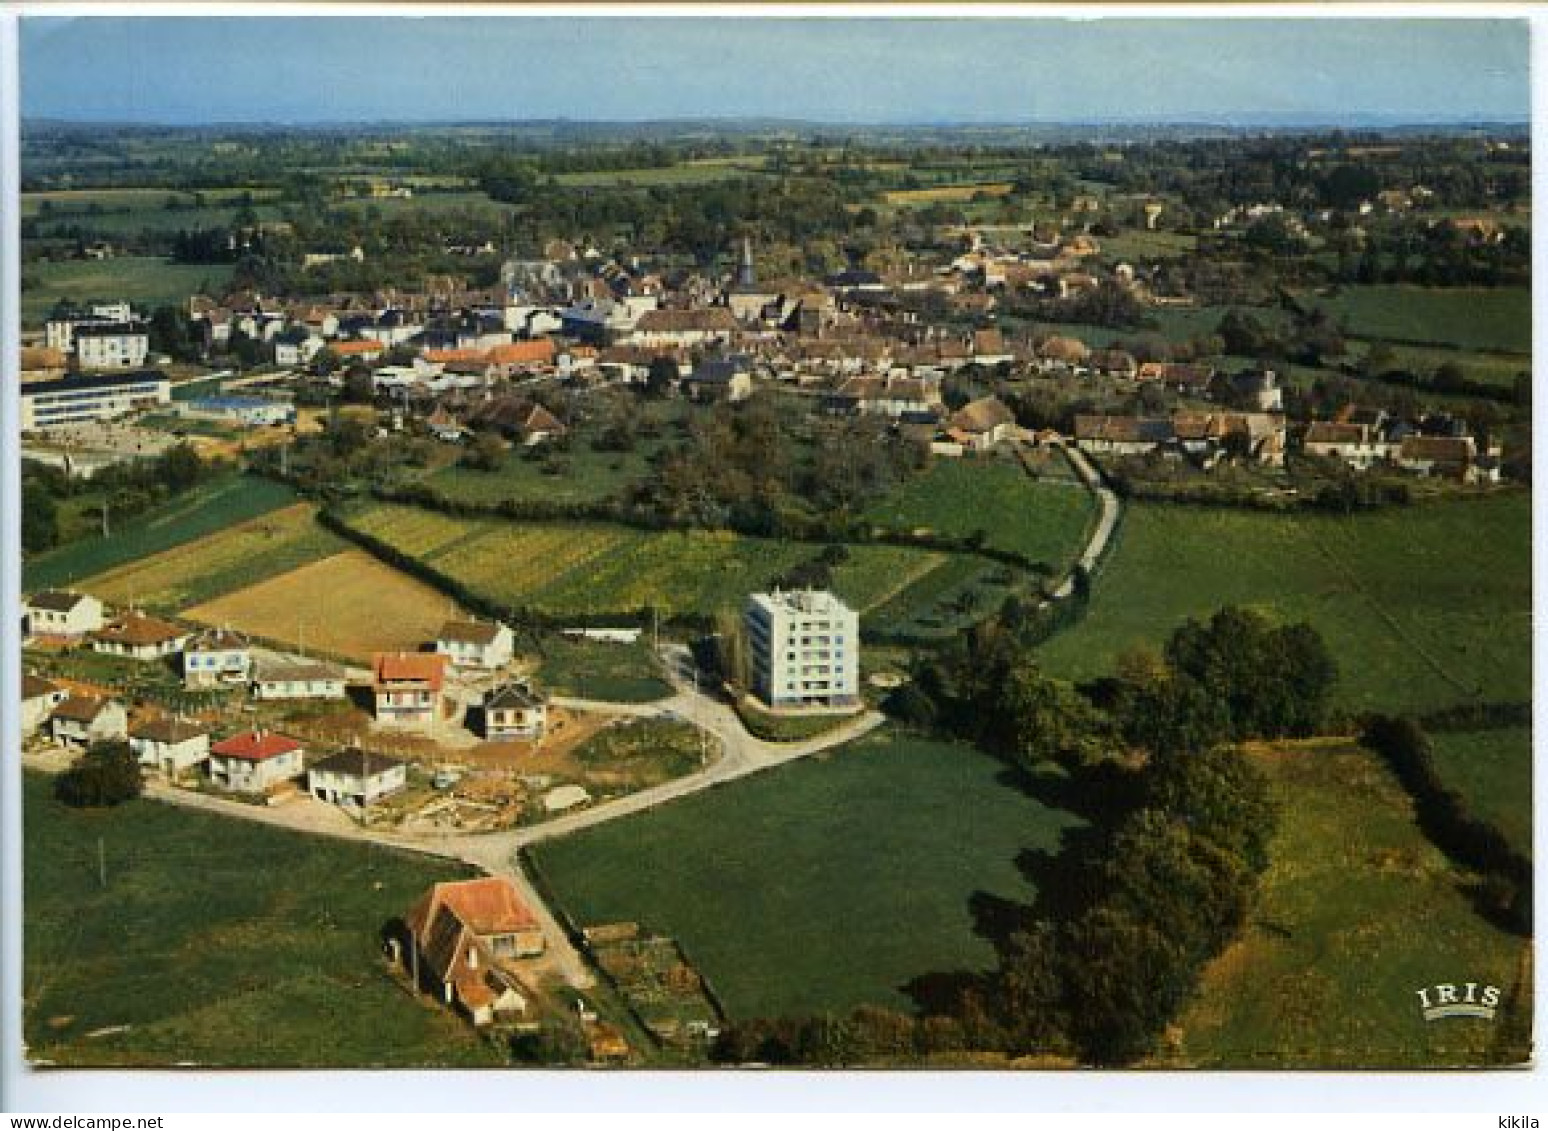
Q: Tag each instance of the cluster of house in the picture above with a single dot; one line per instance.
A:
(408, 690)
(1203, 437)
(1441, 446)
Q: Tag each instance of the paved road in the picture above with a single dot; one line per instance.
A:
(1106, 524)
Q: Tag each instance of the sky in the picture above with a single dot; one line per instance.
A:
(189, 70)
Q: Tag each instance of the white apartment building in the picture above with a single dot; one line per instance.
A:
(805, 650)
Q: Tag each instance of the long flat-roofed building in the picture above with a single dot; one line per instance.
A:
(82, 399)
(805, 650)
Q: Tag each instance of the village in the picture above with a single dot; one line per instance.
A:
(515, 547)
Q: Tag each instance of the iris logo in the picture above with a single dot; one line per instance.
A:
(1470, 999)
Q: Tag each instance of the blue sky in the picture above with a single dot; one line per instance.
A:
(436, 68)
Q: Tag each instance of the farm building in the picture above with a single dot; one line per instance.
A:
(407, 687)
(980, 425)
(459, 937)
(255, 761)
(216, 657)
(476, 644)
(296, 679)
(55, 612)
(170, 745)
(514, 711)
(355, 778)
(83, 719)
(140, 637)
(39, 698)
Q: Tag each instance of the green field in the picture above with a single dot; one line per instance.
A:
(144, 281)
(574, 569)
(822, 885)
(222, 502)
(621, 673)
(581, 475)
(1422, 606)
(1498, 318)
(1045, 521)
(1357, 912)
(1492, 769)
(218, 943)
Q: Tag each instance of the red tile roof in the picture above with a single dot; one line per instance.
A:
(487, 906)
(255, 746)
(516, 353)
(417, 667)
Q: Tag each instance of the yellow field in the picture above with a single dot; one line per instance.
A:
(947, 192)
(219, 563)
(348, 605)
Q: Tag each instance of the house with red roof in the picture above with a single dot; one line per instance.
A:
(255, 761)
(407, 687)
(461, 938)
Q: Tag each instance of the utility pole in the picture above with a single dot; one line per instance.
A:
(105, 530)
(101, 862)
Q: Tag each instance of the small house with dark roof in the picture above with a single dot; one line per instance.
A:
(514, 710)
(83, 719)
(58, 612)
(217, 657)
(476, 644)
(170, 745)
(140, 637)
(719, 380)
(255, 761)
(356, 779)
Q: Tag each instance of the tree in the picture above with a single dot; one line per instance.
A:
(359, 385)
(486, 453)
(39, 518)
(181, 468)
(106, 774)
(662, 376)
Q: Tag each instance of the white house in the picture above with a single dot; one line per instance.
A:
(408, 687)
(805, 649)
(217, 657)
(39, 698)
(296, 679)
(982, 424)
(476, 644)
(140, 637)
(355, 778)
(170, 745)
(55, 612)
(83, 719)
(514, 710)
(255, 761)
(112, 345)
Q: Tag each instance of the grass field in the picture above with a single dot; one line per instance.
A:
(1046, 522)
(1143, 244)
(1498, 318)
(1421, 606)
(623, 673)
(1492, 769)
(144, 281)
(218, 943)
(346, 605)
(221, 503)
(822, 885)
(688, 173)
(1357, 912)
(234, 558)
(574, 569)
(588, 477)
